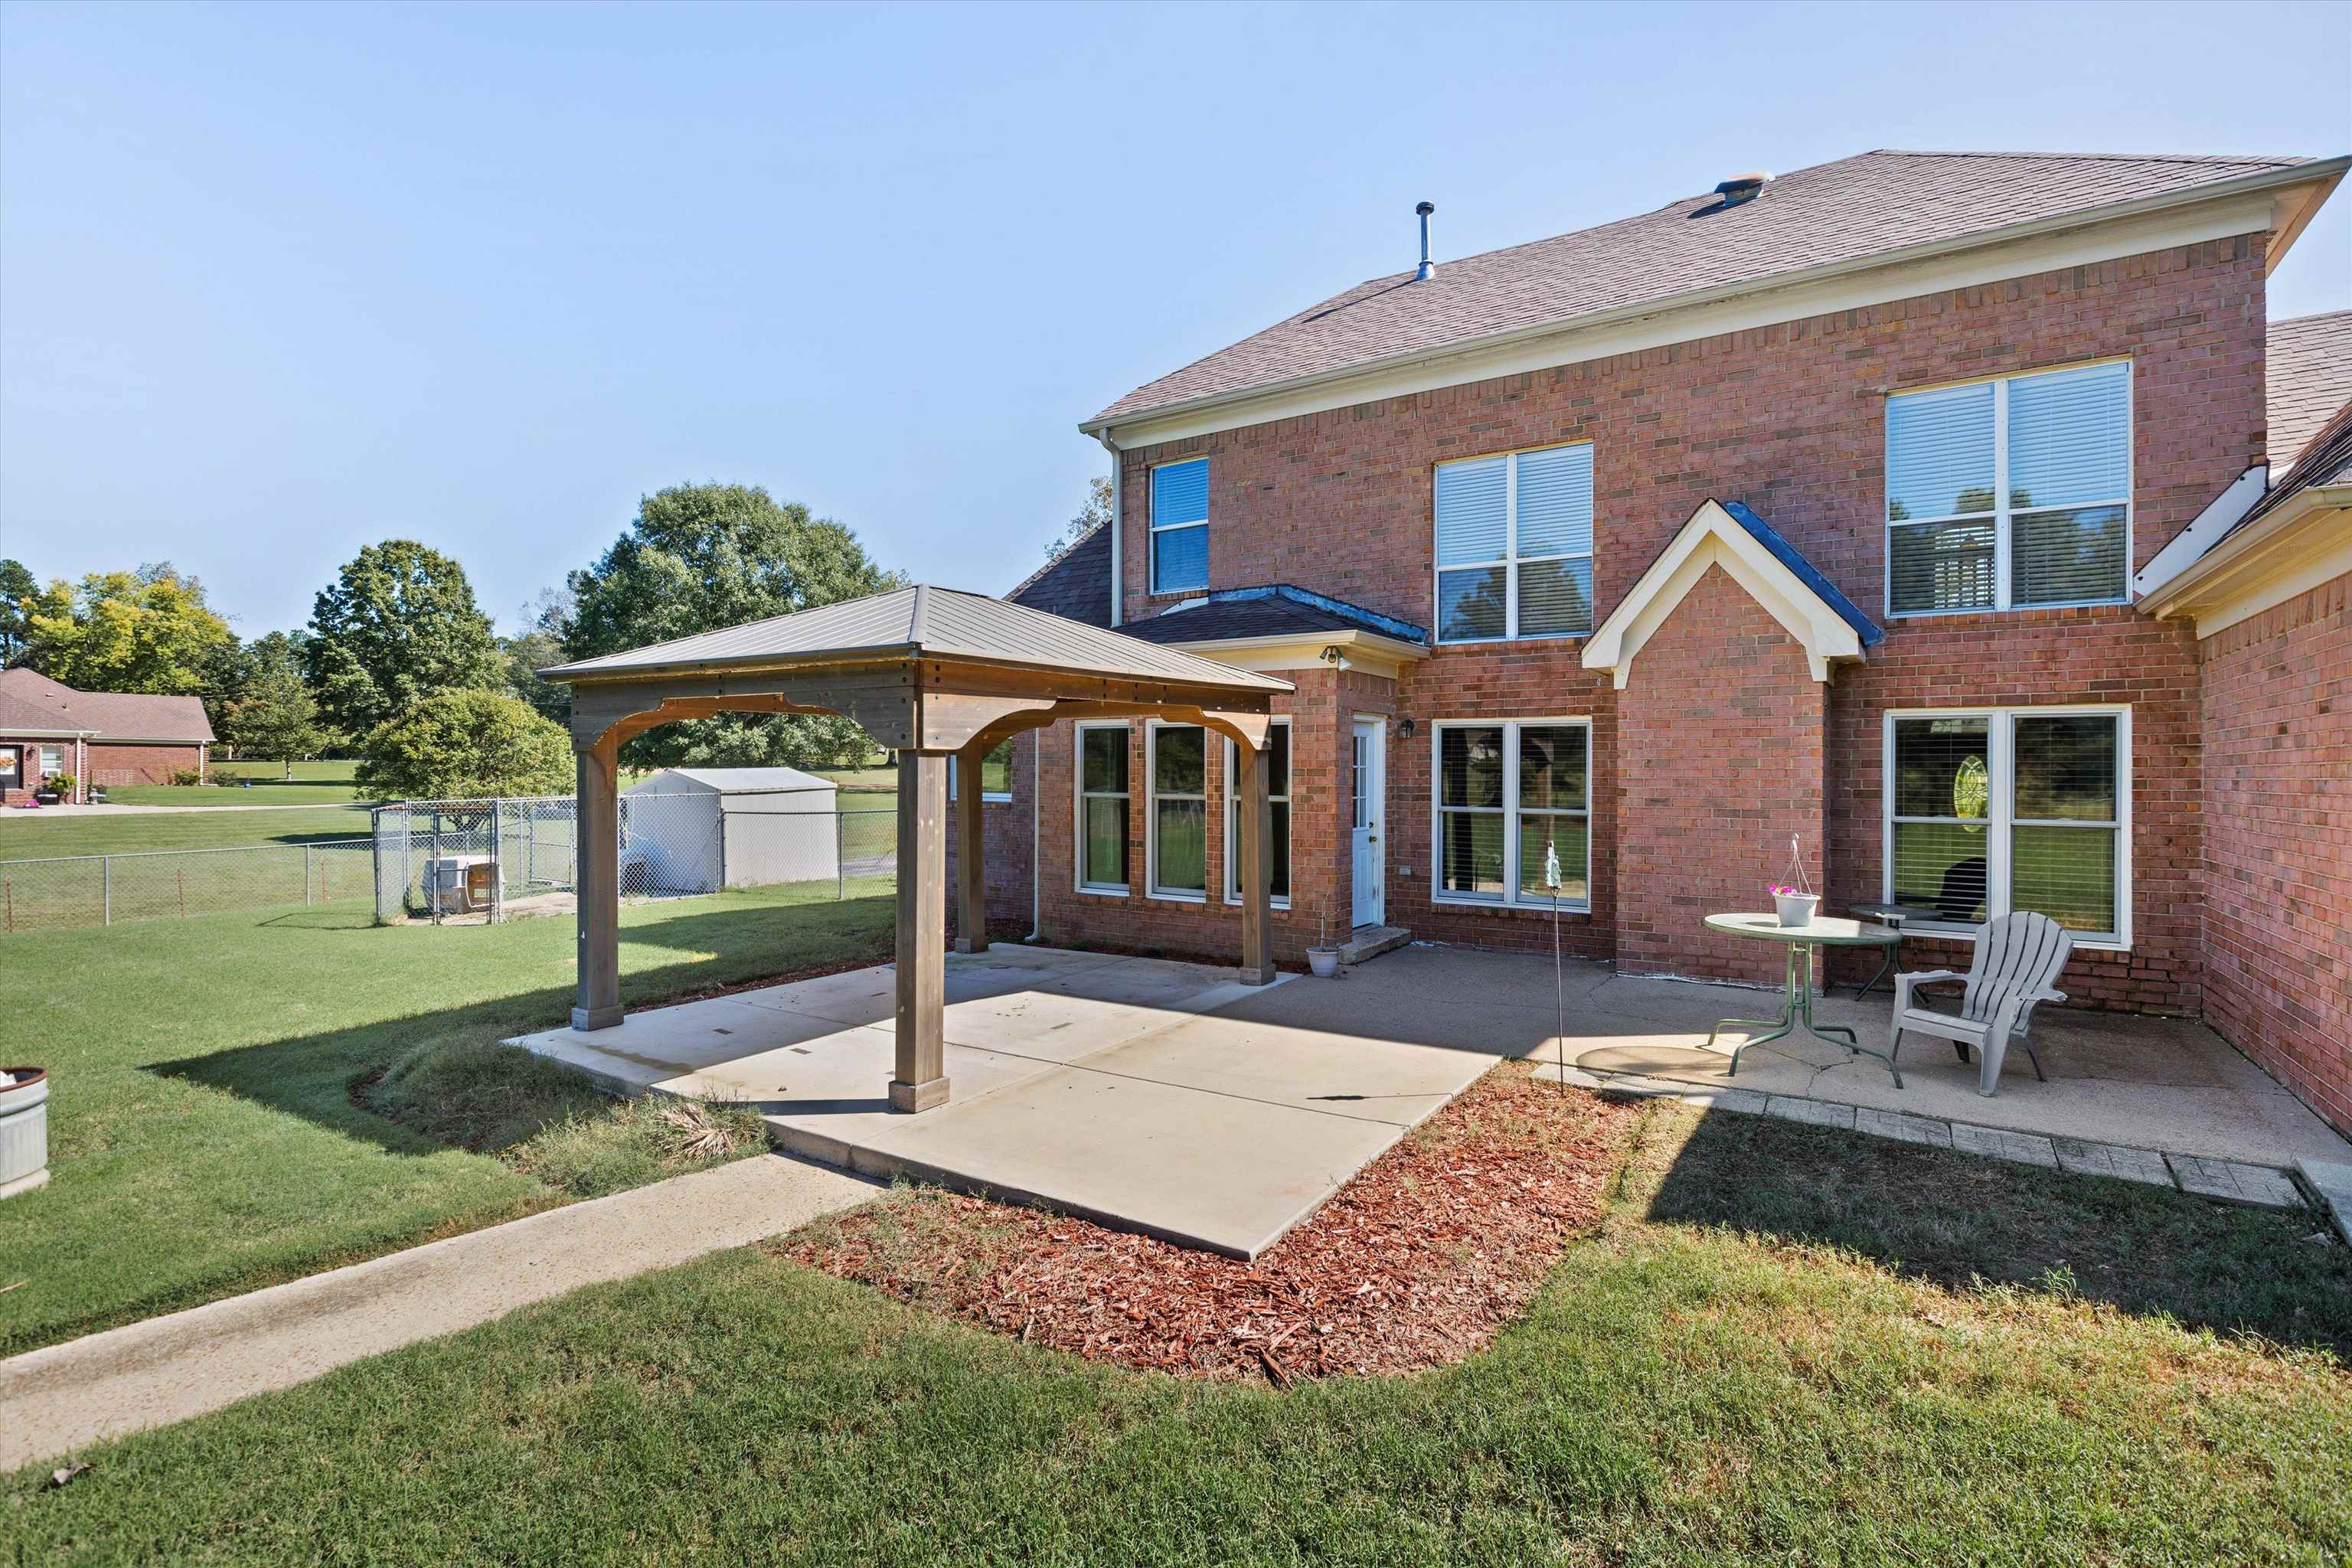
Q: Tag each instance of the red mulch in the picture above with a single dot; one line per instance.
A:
(1415, 1263)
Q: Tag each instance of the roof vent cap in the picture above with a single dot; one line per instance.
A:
(1743, 187)
(1428, 268)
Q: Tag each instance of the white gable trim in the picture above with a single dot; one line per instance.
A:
(1714, 538)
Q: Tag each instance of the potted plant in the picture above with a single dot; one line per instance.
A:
(49, 791)
(23, 1130)
(1795, 902)
(1323, 958)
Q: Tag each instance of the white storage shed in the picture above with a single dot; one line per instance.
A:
(699, 830)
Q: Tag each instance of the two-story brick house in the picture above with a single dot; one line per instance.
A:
(1804, 509)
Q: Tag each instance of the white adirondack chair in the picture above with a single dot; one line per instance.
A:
(2018, 958)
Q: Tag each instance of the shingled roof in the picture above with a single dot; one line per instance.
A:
(105, 715)
(1275, 609)
(2310, 379)
(1869, 206)
(1074, 584)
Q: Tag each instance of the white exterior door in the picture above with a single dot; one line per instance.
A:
(1367, 787)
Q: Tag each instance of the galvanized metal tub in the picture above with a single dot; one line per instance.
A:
(23, 1130)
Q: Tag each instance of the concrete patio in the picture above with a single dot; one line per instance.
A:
(1166, 1098)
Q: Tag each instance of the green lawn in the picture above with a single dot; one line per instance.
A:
(27, 834)
(1785, 1345)
(203, 1133)
(313, 784)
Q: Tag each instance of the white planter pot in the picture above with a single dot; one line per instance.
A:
(1323, 960)
(1796, 909)
(24, 1132)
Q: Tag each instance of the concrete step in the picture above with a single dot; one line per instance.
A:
(1366, 942)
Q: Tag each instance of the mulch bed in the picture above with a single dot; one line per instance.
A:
(1416, 1263)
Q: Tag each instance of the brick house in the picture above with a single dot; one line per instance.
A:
(101, 738)
(1836, 506)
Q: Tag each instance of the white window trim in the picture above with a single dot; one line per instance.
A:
(1510, 561)
(2002, 516)
(987, 796)
(2001, 729)
(1233, 839)
(1078, 797)
(1151, 888)
(1510, 810)
(1151, 500)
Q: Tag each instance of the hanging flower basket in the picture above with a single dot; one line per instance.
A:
(1795, 903)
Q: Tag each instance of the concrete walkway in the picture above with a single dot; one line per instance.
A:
(167, 1369)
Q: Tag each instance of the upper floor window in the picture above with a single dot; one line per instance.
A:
(1180, 527)
(1514, 545)
(2012, 494)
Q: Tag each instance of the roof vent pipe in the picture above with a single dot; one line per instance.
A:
(1428, 268)
(1742, 187)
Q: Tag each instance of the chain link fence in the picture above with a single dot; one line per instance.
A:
(471, 859)
(169, 884)
(491, 859)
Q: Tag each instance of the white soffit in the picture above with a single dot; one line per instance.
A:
(1714, 538)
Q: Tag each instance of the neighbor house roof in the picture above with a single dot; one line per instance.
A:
(920, 622)
(105, 715)
(1276, 609)
(1866, 208)
(1074, 584)
(2309, 380)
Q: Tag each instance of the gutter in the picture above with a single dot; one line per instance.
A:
(2329, 171)
(1117, 529)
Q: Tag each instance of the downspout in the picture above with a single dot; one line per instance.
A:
(1117, 529)
(1036, 821)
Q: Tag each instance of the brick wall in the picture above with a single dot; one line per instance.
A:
(1790, 419)
(1720, 729)
(110, 764)
(1006, 829)
(2277, 718)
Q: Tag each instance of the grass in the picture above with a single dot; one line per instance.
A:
(29, 835)
(313, 784)
(205, 1139)
(1734, 1368)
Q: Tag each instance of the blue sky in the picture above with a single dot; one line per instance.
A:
(278, 282)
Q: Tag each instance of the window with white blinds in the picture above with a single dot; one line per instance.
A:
(2011, 494)
(1514, 545)
(1180, 527)
(1991, 810)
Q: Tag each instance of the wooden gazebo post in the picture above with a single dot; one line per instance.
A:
(596, 837)
(919, 1080)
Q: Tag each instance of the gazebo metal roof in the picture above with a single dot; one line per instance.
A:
(918, 622)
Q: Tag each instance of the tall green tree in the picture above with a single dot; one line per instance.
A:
(1085, 520)
(537, 646)
(699, 557)
(398, 624)
(465, 745)
(18, 592)
(148, 630)
(273, 717)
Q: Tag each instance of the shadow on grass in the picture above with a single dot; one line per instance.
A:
(1967, 1222)
(320, 1076)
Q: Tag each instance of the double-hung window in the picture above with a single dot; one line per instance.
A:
(1991, 810)
(1178, 771)
(1102, 807)
(1276, 763)
(2012, 494)
(1514, 545)
(1180, 527)
(995, 773)
(1510, 796)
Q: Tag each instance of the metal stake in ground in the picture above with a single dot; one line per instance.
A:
(1558, 981)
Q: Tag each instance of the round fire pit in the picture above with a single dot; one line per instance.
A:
(23, 1130)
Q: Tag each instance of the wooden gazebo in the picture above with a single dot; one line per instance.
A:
(930, 673)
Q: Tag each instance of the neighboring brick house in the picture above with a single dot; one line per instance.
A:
(99, 738)
(1803, 508)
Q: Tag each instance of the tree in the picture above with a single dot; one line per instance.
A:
(465, 745)
(143, 631)
(699, 557)
(539, 644)
(17, 593)
(1085, 520)
(398, 624)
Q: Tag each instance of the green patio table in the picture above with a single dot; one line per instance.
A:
(1797, 1005)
